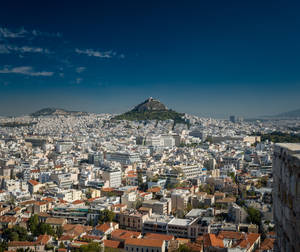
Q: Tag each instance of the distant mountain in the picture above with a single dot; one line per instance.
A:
(56, 111)
(151, 109)
(289, 114)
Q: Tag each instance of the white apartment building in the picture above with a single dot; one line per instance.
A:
(63, 180)
(62, 147)
(124, 158)
(113, 176)
(179, 199)
(190, 171)
(69, 195)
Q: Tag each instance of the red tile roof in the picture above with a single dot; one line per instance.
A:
(43, 239)
(144, 242)
(33, 182)
(111, 244)
(249, 241)
(76, 202)
(154, 189)
(267, 244)
(122, 234)
(231, 235)
(159, 236)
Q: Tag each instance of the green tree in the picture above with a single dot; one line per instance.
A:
(37, 228)
(91, 247)
(254, 215)
(88, 193)
(3, 246)
(33, 223)
(59, 231)
(183, 248)
(62, 245)
(106, 216)
(231, 174)
(16, 233)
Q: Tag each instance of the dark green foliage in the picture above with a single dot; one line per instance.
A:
(57, 111)
(59, 231)
(91, 247)
(24, 250)
(183, 248)
(49, 247)
(106, 216)
(3, 246)
(254, 215)
(152, 115)
(137, 204)
(17, 124)
(111, 250)
(279, 137)
(88, 193)
(62, 245)
(16, 233)
(231, 174)
(37, 228)
(140, 178)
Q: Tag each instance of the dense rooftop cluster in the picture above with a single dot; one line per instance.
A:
(90, 183)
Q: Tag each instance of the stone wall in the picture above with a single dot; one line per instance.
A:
(286, 196)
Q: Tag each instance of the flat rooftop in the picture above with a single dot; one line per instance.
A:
(195, 212)
(180, 222)
(293, 147)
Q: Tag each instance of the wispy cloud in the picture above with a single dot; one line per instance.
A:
(6, 33)
(24, 70)
(94, 53)
(21, 33)
(46, 34)
(78, 80)
(80, 69)
(6, 49)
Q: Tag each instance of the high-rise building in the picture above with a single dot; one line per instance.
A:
(232, 118)
(286, 196)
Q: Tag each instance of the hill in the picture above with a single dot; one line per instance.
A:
(289, 114)
(56, 111)
(151, 109)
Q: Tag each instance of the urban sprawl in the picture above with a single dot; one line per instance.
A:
(90, 183)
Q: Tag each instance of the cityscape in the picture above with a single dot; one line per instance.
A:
(149, 126)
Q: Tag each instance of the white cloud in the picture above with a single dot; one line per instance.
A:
(80, 69)
(46, 34)
(94, 53)
(25, 70)
(78, 80)
(6, 49)
(6, 33)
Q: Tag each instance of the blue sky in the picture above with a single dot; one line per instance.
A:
(208, 58)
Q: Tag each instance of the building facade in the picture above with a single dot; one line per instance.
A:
(286, 196)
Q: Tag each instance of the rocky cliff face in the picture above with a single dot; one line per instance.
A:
(150, 105)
